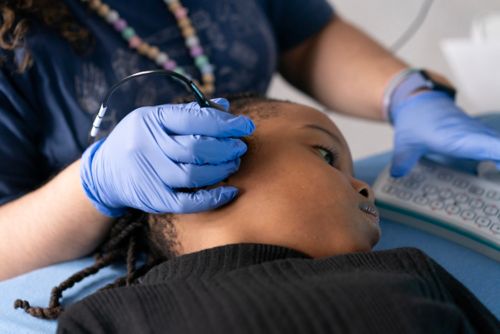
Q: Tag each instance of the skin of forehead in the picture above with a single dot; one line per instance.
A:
(261, 112)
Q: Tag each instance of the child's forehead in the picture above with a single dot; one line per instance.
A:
(291, 115)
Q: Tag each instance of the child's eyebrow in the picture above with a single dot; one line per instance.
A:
(329, 133)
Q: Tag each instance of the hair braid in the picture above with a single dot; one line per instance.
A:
(120, 234)
(131, 258)
(122, 243)
(54, 308)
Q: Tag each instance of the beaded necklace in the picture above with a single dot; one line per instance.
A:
(153, 52)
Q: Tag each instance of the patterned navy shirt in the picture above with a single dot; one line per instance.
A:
(46, 112)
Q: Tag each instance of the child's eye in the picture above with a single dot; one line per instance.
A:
(327, 155)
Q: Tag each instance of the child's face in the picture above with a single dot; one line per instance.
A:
(290, 194)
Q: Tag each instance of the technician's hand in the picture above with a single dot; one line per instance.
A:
(431, 122)
(155, 150)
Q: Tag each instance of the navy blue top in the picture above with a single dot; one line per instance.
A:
(46, 112)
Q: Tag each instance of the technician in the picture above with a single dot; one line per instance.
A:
(59, 58)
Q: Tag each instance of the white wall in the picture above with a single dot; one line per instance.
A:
(386, 20)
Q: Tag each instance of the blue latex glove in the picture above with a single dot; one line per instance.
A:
(431, 122)
(154, 150)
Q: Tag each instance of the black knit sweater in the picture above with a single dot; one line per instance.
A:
(250, 288)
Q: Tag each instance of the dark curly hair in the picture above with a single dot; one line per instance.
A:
(18, 15)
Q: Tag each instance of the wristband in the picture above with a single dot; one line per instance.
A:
(407, 82)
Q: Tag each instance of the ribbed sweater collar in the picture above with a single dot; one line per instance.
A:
(212, 261)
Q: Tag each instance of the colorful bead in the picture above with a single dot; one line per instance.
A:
(208, 78)
(120, 25)
(112, 16)
(188, 32)
(179, 70)
(201, 60)
(143, 49)
(134, 42)
(170, 65)
(192, 41)
(180, 13)
(196, 51)
(94, 4)
(153, 52)
(174, 6)
(128, 33)
(161, 58)
(184, 23)
(207, 69)
(103, 10)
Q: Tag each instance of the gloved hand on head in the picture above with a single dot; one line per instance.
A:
(155, 150)
(431, 122)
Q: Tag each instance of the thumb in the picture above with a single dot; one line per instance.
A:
(204, 200)
(404, 158)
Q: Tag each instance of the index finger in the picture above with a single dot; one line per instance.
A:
(190, 119)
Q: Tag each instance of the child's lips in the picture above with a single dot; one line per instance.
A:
(370, 209)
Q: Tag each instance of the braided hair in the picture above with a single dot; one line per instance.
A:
(129, 236)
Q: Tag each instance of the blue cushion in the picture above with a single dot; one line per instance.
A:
(477, 272)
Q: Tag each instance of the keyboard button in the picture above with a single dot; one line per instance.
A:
(405, 195)
(452, 209)
(490, 210)
(493, 195)
(399, 180)
(483, 221)
(476, 190)
(421, 200)
(430, 189)
(495, 228)
(411, 184)
(459, 183)
(449, 201)
(387, 189)
(476, 203)
(445, 193)
(468, 215)
(461, 198)
(437, 205)
(418, 177)
(432, 197)
(443, 176)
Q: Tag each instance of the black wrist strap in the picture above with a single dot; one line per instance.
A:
(434, 85)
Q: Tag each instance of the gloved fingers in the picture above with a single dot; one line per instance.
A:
(221, 102)
(404, 159)
(195, 149)
(190, 119)
(477, 146)
(185, 202)
(180, 175)
(202, 200)
(489, 131)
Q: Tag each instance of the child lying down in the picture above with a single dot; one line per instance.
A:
(292, 254)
